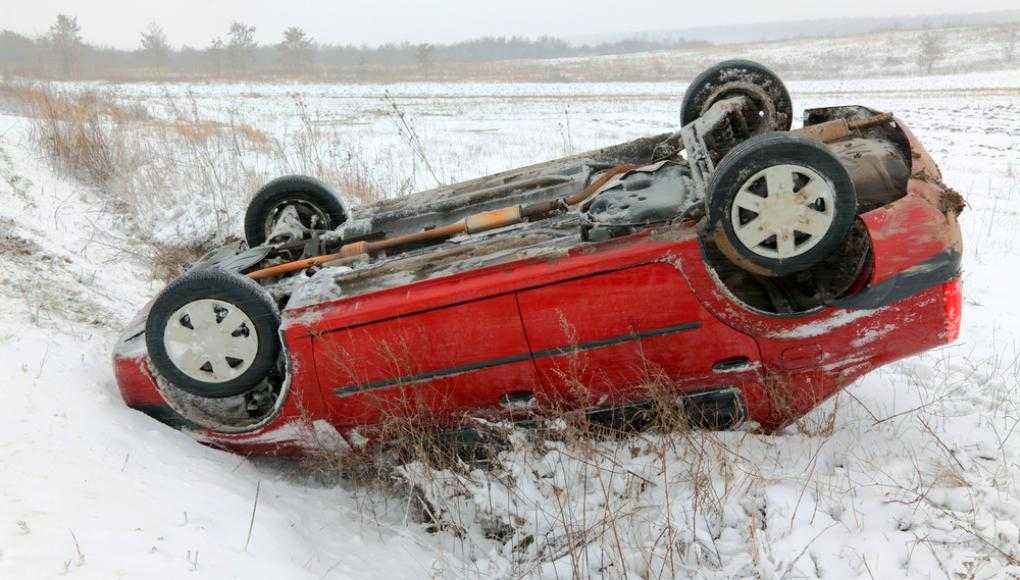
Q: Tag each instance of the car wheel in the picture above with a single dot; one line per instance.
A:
(780, 203)
(213, 333)
(772, 110)
(317, 205)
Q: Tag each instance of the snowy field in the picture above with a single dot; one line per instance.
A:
(914, 472)
(890, 53)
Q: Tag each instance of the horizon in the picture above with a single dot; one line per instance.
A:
(95, 31)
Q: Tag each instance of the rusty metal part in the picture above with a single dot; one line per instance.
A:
(758, 101)
(698, 137)
(490, 220)
(877, 168)
(488, 193)
(288, 267)
(726, 247)
(594, 186)
(450, 260)
(355, 249)
(837, 129)
(541, 209)
(925, 167)
(545, 208)
(361, 248)
(437, 233)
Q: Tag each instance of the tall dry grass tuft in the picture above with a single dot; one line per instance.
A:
(182, 181)
(80, 133)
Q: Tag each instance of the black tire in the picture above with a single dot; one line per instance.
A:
(756, 154)
(309, 192)
(234, 289)
(774, 109)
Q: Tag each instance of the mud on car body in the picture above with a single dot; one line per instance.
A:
(750, 270)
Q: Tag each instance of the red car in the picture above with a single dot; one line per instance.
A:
(750, 270)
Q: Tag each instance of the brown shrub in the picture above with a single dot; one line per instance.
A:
(74, 133)
(181, 180)
(170, 261)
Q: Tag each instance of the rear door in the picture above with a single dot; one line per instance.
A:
(438, 362)
(610, 337)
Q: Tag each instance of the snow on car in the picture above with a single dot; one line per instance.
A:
(753, 269)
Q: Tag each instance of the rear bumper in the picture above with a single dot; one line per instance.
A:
(802, 373)
(912, 302)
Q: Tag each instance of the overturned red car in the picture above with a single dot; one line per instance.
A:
(750, 270)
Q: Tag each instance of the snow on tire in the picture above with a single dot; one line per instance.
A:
(772, 108)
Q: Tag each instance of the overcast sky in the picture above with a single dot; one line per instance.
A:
(196, 22)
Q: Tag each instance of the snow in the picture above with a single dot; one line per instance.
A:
(139, 499)
(909, 474)
(825, 325)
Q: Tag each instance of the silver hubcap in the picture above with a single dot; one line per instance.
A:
(211, 340)
(783, 211)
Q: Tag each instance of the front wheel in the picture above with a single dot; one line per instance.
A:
(213, 334)
(779, 204)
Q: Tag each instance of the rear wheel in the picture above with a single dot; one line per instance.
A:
(316, 206)
(780, 203)
(213, 334)
(771, 110)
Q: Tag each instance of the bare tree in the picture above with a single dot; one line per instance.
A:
(425, 56)
(214, 53)
(155, 45)
(930, 51)
(241, 46)
(297, 48)
(1011, 34)
(65, 38)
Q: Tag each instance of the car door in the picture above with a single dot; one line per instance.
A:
(609, 337)
(439, 362)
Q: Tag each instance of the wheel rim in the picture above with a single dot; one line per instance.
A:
(783, 211)
(211, 340)
(761, 117)
(310, 215)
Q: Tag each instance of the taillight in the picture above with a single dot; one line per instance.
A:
(952, 300)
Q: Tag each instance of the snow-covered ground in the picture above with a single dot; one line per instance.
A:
(889, 53)
(913, 472)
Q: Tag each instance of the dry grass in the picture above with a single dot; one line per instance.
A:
(79, 133)
(170, 261)
(568, 490)
(182, 181)
(650, 496)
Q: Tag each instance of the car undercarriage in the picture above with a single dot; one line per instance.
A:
(652, 191)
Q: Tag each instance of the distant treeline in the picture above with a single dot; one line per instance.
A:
(63, 53)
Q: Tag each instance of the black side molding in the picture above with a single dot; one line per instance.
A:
(938, 269)
(717, 409)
